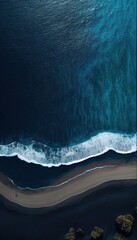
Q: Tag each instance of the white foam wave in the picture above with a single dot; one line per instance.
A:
(44, 155)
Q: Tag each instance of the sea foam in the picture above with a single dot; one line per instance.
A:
(44, 155)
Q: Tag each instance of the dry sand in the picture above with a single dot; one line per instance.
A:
(50, 196)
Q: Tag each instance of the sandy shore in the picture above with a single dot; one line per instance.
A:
(50, 196)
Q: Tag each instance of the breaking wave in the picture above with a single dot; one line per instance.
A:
(44, 155)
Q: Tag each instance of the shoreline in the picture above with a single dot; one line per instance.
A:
(73, 154)
(86, 211)
(52, 196)
(19, 171)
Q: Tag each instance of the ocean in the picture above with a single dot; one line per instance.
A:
(67, 79)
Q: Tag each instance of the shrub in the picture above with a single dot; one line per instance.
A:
(125, 222)
(97, 233)
(71, 234)
(117, 236)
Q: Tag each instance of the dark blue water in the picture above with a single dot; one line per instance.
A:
(34, 176)
(67, 73)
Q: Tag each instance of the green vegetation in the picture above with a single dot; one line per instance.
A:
(97, 233)
(125, 222)
(71, 234)
(117, 236)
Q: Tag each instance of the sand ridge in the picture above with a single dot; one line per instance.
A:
(49, 196)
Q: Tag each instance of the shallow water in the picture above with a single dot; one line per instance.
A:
(34, 176)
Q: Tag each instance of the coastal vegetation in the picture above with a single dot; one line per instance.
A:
(71, 234)
(125, 223)
(97, 233)
(124, 226)
(117, 236)
(74, 234)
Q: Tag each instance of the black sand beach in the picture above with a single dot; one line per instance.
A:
(99, 206)
(68, 93)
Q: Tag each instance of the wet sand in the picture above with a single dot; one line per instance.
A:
(50, 196)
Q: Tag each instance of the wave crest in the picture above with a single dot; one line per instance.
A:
(44, 155)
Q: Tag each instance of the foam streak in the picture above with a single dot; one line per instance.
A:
(44, 155)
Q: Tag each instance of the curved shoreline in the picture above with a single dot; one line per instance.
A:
(51, 196)
(39, 153)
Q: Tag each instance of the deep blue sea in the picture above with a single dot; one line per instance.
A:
(67, 79)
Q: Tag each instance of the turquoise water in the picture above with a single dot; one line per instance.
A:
(68, 79)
